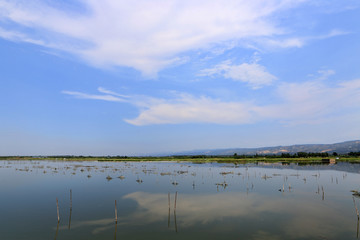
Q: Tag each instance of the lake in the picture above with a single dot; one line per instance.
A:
(170, 200)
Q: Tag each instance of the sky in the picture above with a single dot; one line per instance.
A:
(125, 77)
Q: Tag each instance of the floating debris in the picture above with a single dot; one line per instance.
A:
(266, 177)
(223, 184)
(165, 173)
(355, 193)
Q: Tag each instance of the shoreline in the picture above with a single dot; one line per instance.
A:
(193, 159)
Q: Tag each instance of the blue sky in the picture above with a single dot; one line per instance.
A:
(144, 77)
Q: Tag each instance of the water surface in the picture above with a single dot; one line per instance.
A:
(212, 201)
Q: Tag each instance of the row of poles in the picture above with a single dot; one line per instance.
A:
(58, 214)
(116, 214)
(57, 208)
(358, 218)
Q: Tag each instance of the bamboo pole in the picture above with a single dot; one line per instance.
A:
(70, 208)
(57, 231)
(356, 209)
(176, 230)
(169, 199)
(70, 199)
(175, 212)
(357, 213)
(57, 207)
(116, 216)
(175, 200)
(169, 210)
(115, 230)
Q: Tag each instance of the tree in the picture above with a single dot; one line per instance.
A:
(302, 154)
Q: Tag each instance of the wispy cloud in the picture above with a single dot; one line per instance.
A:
(103, 90)
(313, 100)
(190, 109)
(106, 97)
(283, 41)
(254, 74)
(325, 74)
(302, 102)
(146, 35)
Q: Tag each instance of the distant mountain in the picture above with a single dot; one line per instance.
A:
(340, 148)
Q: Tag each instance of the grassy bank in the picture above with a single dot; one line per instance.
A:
(195, 159)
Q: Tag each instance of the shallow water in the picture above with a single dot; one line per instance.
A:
(213, 201)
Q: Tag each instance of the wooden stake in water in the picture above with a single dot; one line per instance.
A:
(115, 228)
(57, 230)
(115, 231)
(357, 213)
(175, 212)
(116, 217)
(70, 208)
(176, 229)
(70, 199)
(169, 199)
(175, 200)
(356, 209)
(57, 206)
(169, 210)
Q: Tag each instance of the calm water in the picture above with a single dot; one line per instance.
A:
(213, 201)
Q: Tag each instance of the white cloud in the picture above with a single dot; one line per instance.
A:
(332, 33)
(103, 90)
(189, 109)
(298, 41)
(282, 43)
(304, 102)
(107, 97)
(146, 35)
(325, 74)
(254, 74)
(313, 101)
(15, 36)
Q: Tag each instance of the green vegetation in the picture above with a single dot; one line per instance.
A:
(284, 157)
